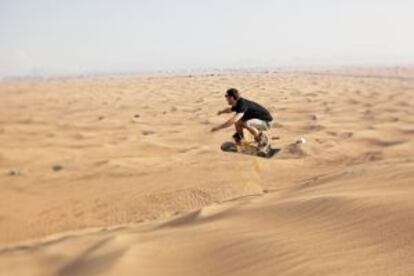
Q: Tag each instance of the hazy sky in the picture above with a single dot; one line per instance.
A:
(78, 36)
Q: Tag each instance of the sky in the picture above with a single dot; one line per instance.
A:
(54, 37)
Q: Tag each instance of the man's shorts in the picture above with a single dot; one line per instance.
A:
(258, 124)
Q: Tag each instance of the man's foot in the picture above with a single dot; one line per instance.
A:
(262, 141)
(238, 138)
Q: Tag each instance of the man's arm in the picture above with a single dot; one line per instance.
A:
(226, 110)
(229, 122)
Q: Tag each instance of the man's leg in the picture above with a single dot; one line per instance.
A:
(256, 128)
(239, 135)
(251, 128)
(239, 125)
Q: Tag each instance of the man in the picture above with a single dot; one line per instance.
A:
(248, 115)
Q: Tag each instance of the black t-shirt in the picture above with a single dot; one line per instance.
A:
(251, 110)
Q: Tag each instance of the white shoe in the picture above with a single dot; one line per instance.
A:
(263, 140)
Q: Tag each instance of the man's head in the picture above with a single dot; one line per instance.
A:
(232, 95)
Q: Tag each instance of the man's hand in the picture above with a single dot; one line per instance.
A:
(226, 110)
(214, 129)
(229, 122)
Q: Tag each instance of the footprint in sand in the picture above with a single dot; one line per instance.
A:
(57, 168)
(346, 135)
(311, 94)
(353, 102)
(147, 132)
(369, 156)
(14, 172)
(368, 114)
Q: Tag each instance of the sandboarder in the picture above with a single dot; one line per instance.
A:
(248, 115)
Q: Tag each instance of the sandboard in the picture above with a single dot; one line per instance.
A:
(248, 149)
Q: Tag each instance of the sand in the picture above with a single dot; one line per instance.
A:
(120, 175)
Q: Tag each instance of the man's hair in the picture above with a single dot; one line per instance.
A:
(233, 92)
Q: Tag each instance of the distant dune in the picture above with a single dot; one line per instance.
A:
(121, 176)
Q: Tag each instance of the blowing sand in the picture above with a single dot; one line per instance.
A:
(121, 176)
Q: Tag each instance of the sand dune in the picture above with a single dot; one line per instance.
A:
(121, 176)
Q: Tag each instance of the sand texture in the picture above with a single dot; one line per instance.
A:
(120, 175)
